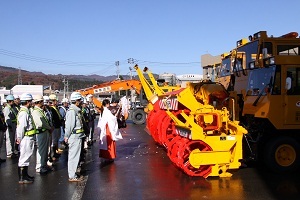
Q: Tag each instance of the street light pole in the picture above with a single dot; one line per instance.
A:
(131, 61)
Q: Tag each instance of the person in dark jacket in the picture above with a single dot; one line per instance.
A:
(57, 123)
(3, 128)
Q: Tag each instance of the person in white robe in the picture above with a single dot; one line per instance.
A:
(109, 133)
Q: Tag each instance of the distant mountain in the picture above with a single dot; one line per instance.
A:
(9, 77)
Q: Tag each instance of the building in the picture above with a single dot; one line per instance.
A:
(3, 93)
(20, 89)
(32, 89)
(208, 63)
(192, 78)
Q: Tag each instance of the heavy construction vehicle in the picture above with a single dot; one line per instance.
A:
(195, 126)
(263, 75)
(118, 88)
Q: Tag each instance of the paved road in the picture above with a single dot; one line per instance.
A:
(143, 171)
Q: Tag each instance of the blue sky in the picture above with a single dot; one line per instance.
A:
(88, 37)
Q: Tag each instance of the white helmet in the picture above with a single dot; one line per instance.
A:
(64, 100)
(46, 99)
(89, 96)
(10, 97)
(75, 96)
(53, 97)
(37, 98)
(26, 97)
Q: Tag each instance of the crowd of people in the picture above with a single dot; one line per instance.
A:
(39, 124)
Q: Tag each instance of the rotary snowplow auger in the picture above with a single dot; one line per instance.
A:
(195, 128)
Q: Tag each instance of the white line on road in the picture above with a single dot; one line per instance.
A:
(77, 195)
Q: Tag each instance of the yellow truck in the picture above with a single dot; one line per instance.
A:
(262, 74)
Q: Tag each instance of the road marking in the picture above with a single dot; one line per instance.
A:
(77, 195)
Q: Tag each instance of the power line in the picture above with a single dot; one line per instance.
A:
(63, 62)
(49, 61)
(107, 65)
(167, 63)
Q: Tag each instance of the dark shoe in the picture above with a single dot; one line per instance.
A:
(44, 171)
(2, 160)
(26, 174)
(50, 168)
(23, 176)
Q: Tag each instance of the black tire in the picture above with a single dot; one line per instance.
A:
(138, 116)
(281, 154)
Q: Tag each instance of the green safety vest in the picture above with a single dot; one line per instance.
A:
(44, 116)
(15, 114)
(30, 132)
(81, 124)
(59, 116)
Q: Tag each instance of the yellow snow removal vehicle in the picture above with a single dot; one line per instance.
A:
(196, 125)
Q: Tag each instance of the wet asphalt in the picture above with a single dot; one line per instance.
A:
(142, 170)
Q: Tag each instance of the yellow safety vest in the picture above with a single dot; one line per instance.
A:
(30, 132)
(44, 116)
(15, 114)
(59, 116)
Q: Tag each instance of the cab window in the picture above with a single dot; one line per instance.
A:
(260, 81)
(294, 74)
(276, 90)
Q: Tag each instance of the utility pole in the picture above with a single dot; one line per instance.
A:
(64, 82)
(130, 69)
(66, 87)
(117, 63)
(130, 61)
(132, 92)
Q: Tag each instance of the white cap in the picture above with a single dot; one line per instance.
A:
(10, 97)
(53, 97)
(37, 98)
(65, 100)
(26, 97)
(46, 99)
(75, 96)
